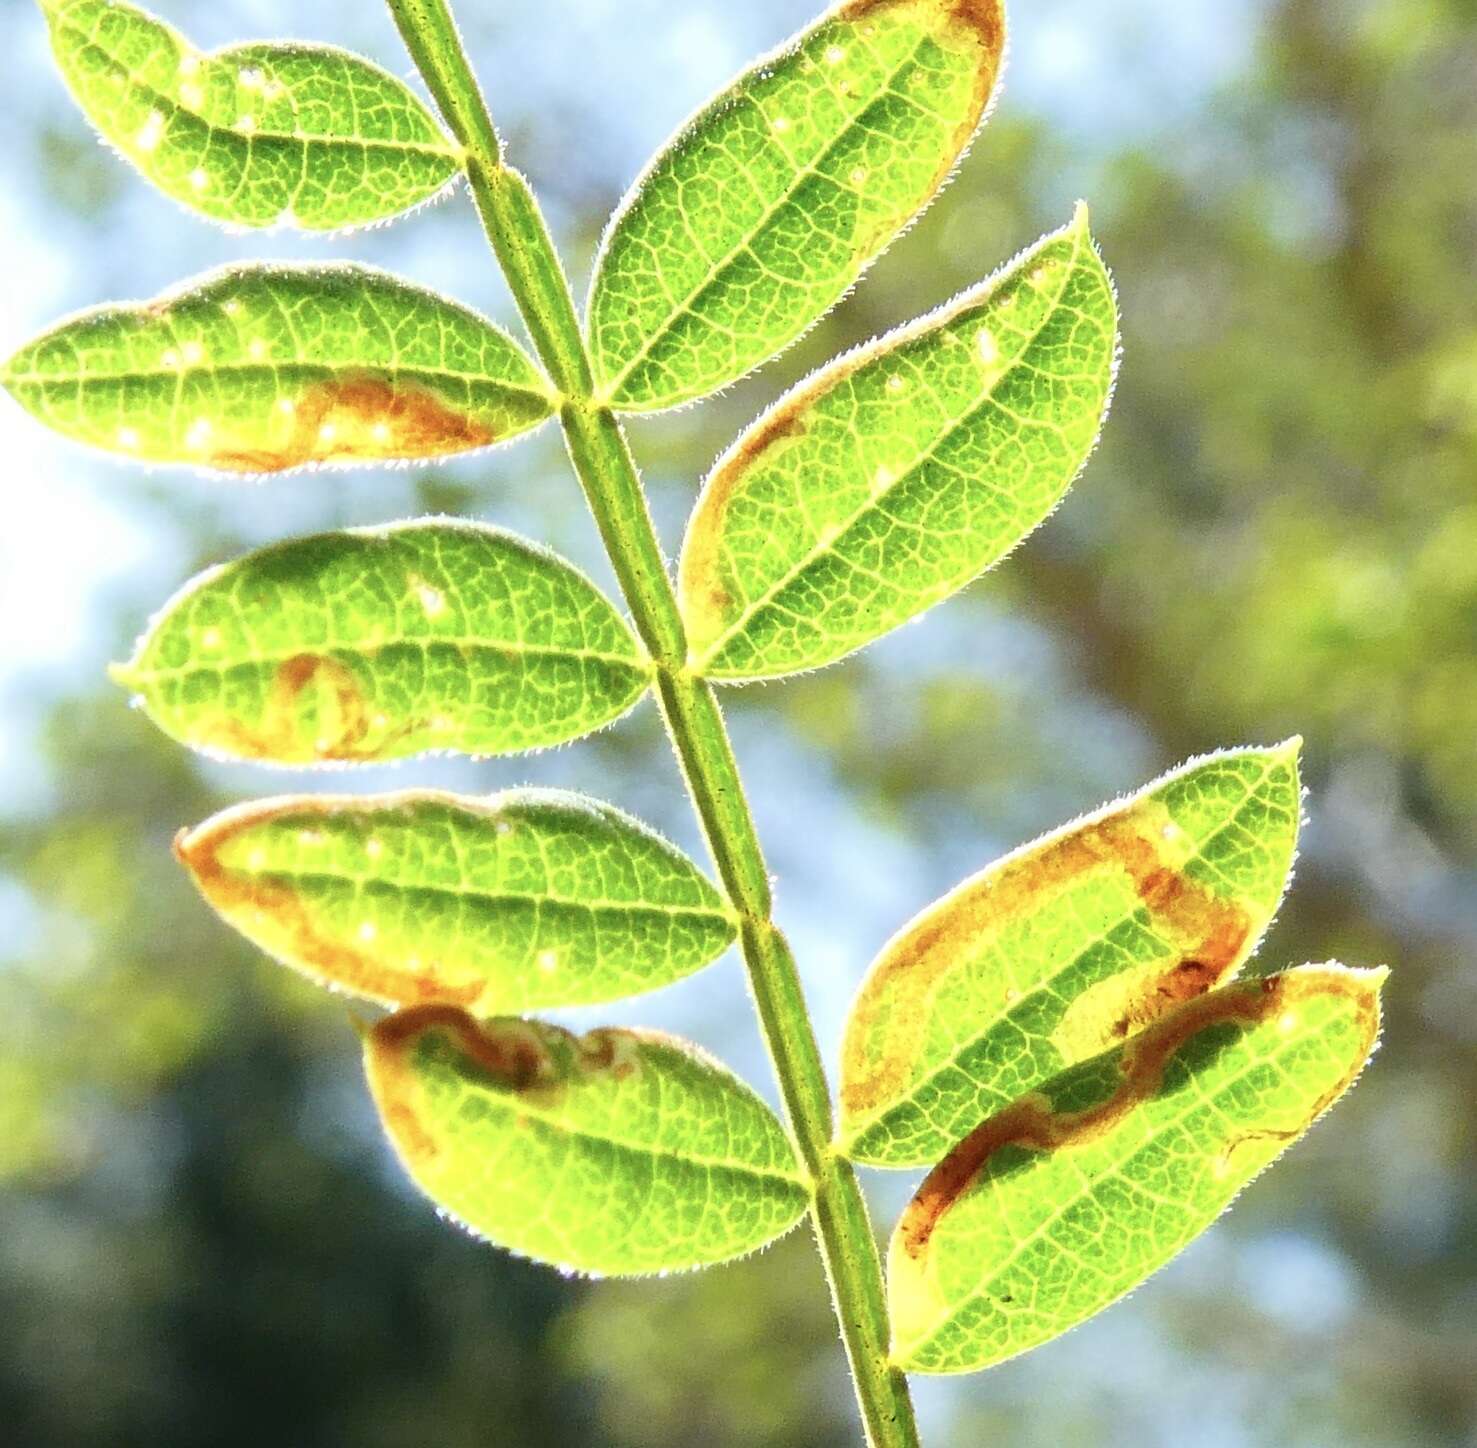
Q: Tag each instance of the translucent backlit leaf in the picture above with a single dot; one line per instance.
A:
(254, 135)
(257, 369)
(380, 643)
(1069, 945)
(767, 206)
(1068, 1199)
(894, 476)
(518, 902)
(618, 1152)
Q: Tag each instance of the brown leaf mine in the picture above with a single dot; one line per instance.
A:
(1033, 1124)
(274, 912)
(315, 709)
(1207, 932)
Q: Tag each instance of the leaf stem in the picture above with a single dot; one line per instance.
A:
(607, 472)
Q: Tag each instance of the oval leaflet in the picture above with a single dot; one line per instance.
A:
(620, 1152)
(894, 476)
(267, 367)
(763, 210)
(1059, 1205)
(1063, 948)
(517, 902)
(383, 643)
(265, 134)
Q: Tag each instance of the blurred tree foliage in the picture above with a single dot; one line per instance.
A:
(201, 1239)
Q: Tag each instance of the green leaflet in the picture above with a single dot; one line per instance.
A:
(765, 208)
(266, 134)
(892, 477)
(379, 643)
(619, 1152)
(526, 900)
(260, 368)
(1070, 1198)
(1064, 947)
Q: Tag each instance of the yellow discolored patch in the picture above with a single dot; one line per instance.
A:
(350, 419)
(310, 693)
(982, 20)
(609, 1050)
(976, 24)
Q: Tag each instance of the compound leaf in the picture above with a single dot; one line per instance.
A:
(257, 369)
(765, 208)
(618, 1152)
(891, 478)
(380, 643)
(1071, 1197)
(525, 900)
(266, 134)
(1063, 948)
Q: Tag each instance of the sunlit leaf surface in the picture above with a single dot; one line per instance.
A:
(765, 208)
(260, 368)
(894, 476)
(1067, 946)
(1068, 1199)
(379, 643)
(520, 901)
(254, 135)
(615, 1152)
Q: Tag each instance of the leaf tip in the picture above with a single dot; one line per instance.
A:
(1370, 978)
(1290, 749)
(982, 19)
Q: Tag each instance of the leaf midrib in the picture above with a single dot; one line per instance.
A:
(491, 898)
(874, 500)
(309, 371)
(140, 675)
(527, 1110)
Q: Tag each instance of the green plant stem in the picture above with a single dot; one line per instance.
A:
(598, 449)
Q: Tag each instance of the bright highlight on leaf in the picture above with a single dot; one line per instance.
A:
(618, 1152)
(257, 369)
(1066, 946)
(1070, 1198)
(266, 134)
(765, 208)
(894, 476)
(526, 900)
(381, 643)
